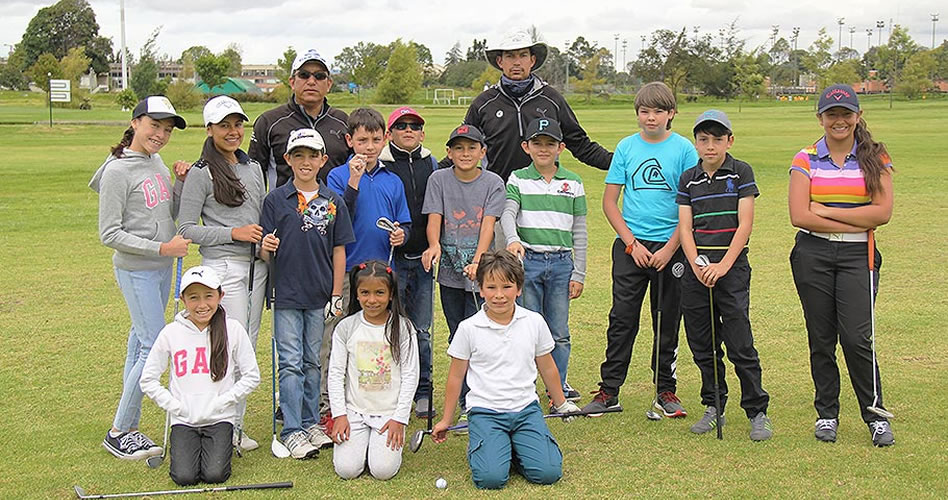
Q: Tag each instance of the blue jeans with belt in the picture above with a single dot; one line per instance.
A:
(546, 291)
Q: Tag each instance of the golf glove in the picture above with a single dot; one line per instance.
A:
(333, 307)
(567, 407)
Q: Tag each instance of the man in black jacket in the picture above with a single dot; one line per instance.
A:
(307, 108)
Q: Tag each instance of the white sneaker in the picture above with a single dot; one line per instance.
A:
(246, 443)
(299, 446)
(145, 443)
(317, 437)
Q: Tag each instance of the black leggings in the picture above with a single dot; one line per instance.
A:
(201, 454)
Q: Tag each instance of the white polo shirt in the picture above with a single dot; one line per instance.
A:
(502, 367)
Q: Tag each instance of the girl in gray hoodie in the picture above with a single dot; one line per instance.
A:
(136, 219)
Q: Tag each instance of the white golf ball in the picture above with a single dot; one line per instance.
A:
(441, 483)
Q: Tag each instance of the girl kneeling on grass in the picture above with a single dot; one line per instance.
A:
(373, 373)
(136, 219)
(206, 349)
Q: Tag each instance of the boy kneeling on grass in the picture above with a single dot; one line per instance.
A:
(501, 348)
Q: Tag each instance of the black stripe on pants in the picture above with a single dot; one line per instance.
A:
(731, 327)
(629, 283)
(832, 280)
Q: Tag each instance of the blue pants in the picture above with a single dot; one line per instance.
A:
(415, 290)
(299, 334)
(546, 291)
(522, 439)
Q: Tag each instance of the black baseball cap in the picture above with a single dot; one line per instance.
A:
(840, 95)
(468, 132)
(544, 126)
(158, 107)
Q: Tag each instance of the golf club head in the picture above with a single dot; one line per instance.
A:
(386, 225)
(155, 462)
(880, 411)
(702, 261)
(652, 415)
(278, 449)
(416, 439)
(81, 493)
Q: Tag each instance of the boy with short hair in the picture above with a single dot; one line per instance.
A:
(463, 203)
(716, 214)
(647, 166)
(309, 224)
(545, 223)
(413, 163)
(502, 347)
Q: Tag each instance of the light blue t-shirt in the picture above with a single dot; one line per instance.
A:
(650, 175)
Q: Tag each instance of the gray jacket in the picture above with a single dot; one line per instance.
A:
(137, 208)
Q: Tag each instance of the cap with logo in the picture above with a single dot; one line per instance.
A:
(401, 113)
(713, 115)
(305, 137)
(158, 107)
(305, 57)
(838, 95)
(514, 41)
(544, 126)
(200, 274)
(220, 107)
(467, 132)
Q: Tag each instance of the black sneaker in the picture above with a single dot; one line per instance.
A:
(145, 443)
(881, 433)
(571, 394)
(279, 415)
(601, 401)
(124, 446)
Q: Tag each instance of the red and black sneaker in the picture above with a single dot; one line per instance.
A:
(601, 401)
(670, 405)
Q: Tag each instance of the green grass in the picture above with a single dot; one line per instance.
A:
(64, 327)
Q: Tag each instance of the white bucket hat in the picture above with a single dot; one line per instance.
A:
(514, 41)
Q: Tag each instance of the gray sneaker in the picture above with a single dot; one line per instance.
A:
(708, 421)
(670, 405)
(826, 429)
(601, 401)
(881, 433)
(761, 427)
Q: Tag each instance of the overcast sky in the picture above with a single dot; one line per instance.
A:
(264, 28)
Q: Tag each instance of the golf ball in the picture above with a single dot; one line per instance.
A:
(441, 483)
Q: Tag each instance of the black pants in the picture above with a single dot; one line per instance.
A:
(458, 305)
(731, 296)
(629, 283)
(201, 454)
(832, 279)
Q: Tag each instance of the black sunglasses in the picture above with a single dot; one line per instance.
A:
(304, 75)
(403, 125)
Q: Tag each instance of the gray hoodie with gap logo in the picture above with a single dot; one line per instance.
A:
(137, 208)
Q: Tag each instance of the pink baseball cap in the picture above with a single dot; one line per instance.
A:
(401, 113)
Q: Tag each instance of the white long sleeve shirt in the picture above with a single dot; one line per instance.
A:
(364, 378)
(192, 397)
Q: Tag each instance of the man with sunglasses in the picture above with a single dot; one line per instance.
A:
(308, 107)
(413, 163)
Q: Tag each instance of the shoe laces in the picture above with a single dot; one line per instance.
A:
(879, 427)
(826, 424)
(296, 439)
(668, 397)
(601, 396)
(142, 440)
(129, 442)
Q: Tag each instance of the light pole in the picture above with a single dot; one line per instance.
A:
(625, 44)
(566, 65)
(774, 29)
(839, 44)
(696, 32)
(124, 50)
(879, 26)
(796, 62)
(934, 20)
(869, 41)
(852, 29)
(643, 44)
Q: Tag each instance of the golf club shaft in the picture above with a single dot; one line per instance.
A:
(262, 486)
(431, 353)
(177, 283)
(658, 335)
(714, 359)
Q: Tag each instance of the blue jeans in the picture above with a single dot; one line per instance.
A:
(546, 291)
(522, 439)
(146, 295)
(458, 305)
(298, 334)
(415, 292)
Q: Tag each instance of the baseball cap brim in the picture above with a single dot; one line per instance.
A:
(178, 121)
(849, 106)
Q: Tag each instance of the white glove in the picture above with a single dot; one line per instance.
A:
(567, 407)
(333, 307)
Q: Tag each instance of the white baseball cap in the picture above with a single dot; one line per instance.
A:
(305, 137)
(305, 57)
(200, 274)
(220, 107)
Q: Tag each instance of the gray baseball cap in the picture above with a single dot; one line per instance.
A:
(713, 115)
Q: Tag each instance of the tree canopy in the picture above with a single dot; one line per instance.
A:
(66, 25)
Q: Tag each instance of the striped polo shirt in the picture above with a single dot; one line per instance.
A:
(713, 200)
(833, 186)
(545, 220)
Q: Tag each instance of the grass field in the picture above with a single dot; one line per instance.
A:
(64, 326)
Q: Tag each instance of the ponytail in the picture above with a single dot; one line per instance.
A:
(118, 149)
(218, 332)
(872, 157)
(228, 190)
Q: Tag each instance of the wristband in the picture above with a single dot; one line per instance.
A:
(629, 247)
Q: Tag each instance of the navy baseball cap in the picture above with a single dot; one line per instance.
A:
(838, 95)
(713, 115)
(544, 126)
(468, 132)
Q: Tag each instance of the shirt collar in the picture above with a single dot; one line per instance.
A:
(728, 165)
(533, 173)
(822, 150)
(481, 320)
(289, 190)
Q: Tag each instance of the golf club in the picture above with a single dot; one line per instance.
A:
(419, 436)
(81, 493)
(386, 225)
(874, 408)
(431, 356)
(650, 413)
(155, 462)
(278, 449)
(702, 261)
